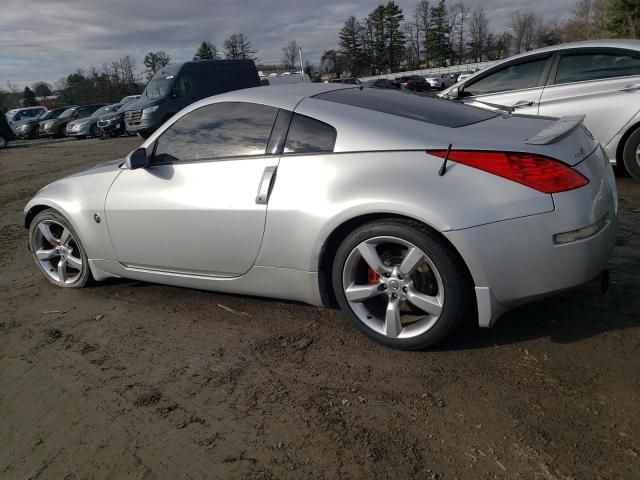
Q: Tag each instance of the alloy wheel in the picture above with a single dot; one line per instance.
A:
(57, 252)
(393, 287)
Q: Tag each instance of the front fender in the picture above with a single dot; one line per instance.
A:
(80, 199)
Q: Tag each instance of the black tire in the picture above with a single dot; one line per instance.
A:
(630, 155)
(458, 287)
(3, 142)
(94, 132)
(144, 133)
(85, 277)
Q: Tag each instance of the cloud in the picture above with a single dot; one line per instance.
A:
(48, 39)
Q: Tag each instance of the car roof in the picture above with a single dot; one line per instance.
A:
(628, 44)
(281, 96)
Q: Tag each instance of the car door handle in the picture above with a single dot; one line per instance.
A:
(633, 87)
(523, 103)
(266, 184)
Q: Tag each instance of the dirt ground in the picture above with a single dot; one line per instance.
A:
(134, 380)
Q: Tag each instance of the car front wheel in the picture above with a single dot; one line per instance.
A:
(57, 250)
(401, 284)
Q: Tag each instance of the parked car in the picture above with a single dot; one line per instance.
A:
(415, 83)
(6, 134)
(177, 86)
(288, 79)
(30, 129)
(19, 116)
(410, 213)
(347, 81)
(56, 127)
(383, 83)
(441, 81)
(464, 75)
(129, 98)
(599, 79)
(112, 124)
(88, 126)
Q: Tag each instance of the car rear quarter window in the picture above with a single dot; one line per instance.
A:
(219, 130)
(434, 110)
(308, 135)
(595, 66)
(512, 77)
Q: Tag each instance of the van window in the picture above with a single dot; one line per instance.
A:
(512, 77)
(595, 66)
(228, 129)
(308, 135)
(184, 87)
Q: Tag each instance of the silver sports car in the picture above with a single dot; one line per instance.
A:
(409, 213)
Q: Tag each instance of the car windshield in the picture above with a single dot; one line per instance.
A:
(158, 87)
(67, 113)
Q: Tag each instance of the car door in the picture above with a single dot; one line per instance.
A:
(200, 206)
(601, 83)
(516, 84)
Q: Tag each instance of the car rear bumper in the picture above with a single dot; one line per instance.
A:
(521, 260)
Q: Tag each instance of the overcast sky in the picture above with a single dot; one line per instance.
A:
(48, 39)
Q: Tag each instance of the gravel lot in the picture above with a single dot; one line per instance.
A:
(134, 380)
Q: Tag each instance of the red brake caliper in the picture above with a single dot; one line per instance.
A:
(372, 276)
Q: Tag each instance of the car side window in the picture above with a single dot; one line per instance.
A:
(595, 66)
(228, 129)
(308, 135)
(512, 77)
(184, 86)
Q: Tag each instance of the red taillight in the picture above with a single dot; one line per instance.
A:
(535, 171)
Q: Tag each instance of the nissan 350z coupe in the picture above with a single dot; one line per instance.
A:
(409, 213)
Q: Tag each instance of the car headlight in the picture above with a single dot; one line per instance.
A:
(23, 128)
(150, 109)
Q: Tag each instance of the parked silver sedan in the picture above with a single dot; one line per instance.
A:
(599, 79)
(411, 214)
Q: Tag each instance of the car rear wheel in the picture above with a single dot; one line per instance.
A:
(3, 142)
(400, 284)
(57, 250)
(631, 154)
(95, 131)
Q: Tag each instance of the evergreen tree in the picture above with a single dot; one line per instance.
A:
(351, 48)
(41, 89)
(206, 51)
(624, 18)
(437, 41)
(394, 37)
(28, 98)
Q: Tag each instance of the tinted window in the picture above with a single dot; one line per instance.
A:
(513, 77)
(218, 130)
(184, 85)
(594, 66)
(433, 110)
(307, 135)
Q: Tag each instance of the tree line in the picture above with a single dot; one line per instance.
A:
(437, 34)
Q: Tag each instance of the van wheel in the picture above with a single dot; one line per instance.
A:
(631, 154)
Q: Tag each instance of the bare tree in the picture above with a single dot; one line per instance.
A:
(290, 55)
(331, 62)
(458, 14)
(238, 46)
(154, 61)
(127, 65)
(523, 24)
(479, 34)
(422, 16)
(588, 21)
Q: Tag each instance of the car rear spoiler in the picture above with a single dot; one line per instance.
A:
(557, 130)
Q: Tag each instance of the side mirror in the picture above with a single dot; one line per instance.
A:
(454, 92)
(137, 159)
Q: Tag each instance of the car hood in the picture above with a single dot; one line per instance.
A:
(111, 115)
(83, 120)
(145, 103)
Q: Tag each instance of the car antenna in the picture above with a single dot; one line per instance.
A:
(443, 168)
